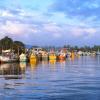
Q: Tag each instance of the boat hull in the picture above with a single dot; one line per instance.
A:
(52, 57)
(4, 59)
(33, 58)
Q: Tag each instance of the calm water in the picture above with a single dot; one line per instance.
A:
(73, 79)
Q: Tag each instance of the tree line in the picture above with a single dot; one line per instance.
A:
(75, 48)
(19, 47)
(7, 43)
(84, 48)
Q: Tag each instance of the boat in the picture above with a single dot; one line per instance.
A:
(79, 53)
(62, 55)
(68, 54)
(98, 52)
(33, 57)
(8, 56)
(72, 55)
(22, 57)
(45, 56)
(52, 61)
(39, 57)
(52, 57)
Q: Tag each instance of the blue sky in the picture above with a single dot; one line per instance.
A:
(51, 22)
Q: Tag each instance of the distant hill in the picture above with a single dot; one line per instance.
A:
(28, 46)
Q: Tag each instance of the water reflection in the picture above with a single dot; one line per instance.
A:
(71, 79)
(62, 63)
(98, 59)
(12, 70)
(33, 64)
(22, 65)
(53, 62)
(45, 62)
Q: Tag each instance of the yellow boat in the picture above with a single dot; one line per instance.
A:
(52, 62)
(33, 58)
(52, 57)
(72, 55)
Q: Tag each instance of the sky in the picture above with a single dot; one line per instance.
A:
(51, 22)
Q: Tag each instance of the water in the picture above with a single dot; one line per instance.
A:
(73, 79)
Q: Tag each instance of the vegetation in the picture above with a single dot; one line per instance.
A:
(19, 47)
(8, 43)
(85, 48)
(75, 48)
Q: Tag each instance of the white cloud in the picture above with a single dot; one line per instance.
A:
(17, 28)
(70, 31)
(82, 31)
(52, 27)
(5, 13)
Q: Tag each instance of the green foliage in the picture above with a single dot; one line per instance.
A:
(8, 43)
(18, 47)
(96, 48)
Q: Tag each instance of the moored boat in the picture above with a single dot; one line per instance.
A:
(72, 55)
(45, 56)
(62, 56)
(52, 57)
(52, 61)
(7, 57)
(98, 52)
(22, 58)
(33, 58)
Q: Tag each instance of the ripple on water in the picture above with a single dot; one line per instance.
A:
(72, 80)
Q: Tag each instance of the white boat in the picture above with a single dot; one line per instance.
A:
(5, 59)
(80, 53)
(22, 58)
(98, 52)
(7, 56)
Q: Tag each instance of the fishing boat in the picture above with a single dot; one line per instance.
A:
(8, 56)
(52, 57)
(62, 55)
(33, 57)
(52, 61)
(72, 55)
(22, 58)
(45, 56)
(79, 53)
(39, 57)
(68, 54)
(98, 52)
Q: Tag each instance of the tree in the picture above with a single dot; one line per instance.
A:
(6, 43)
(19, 47)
